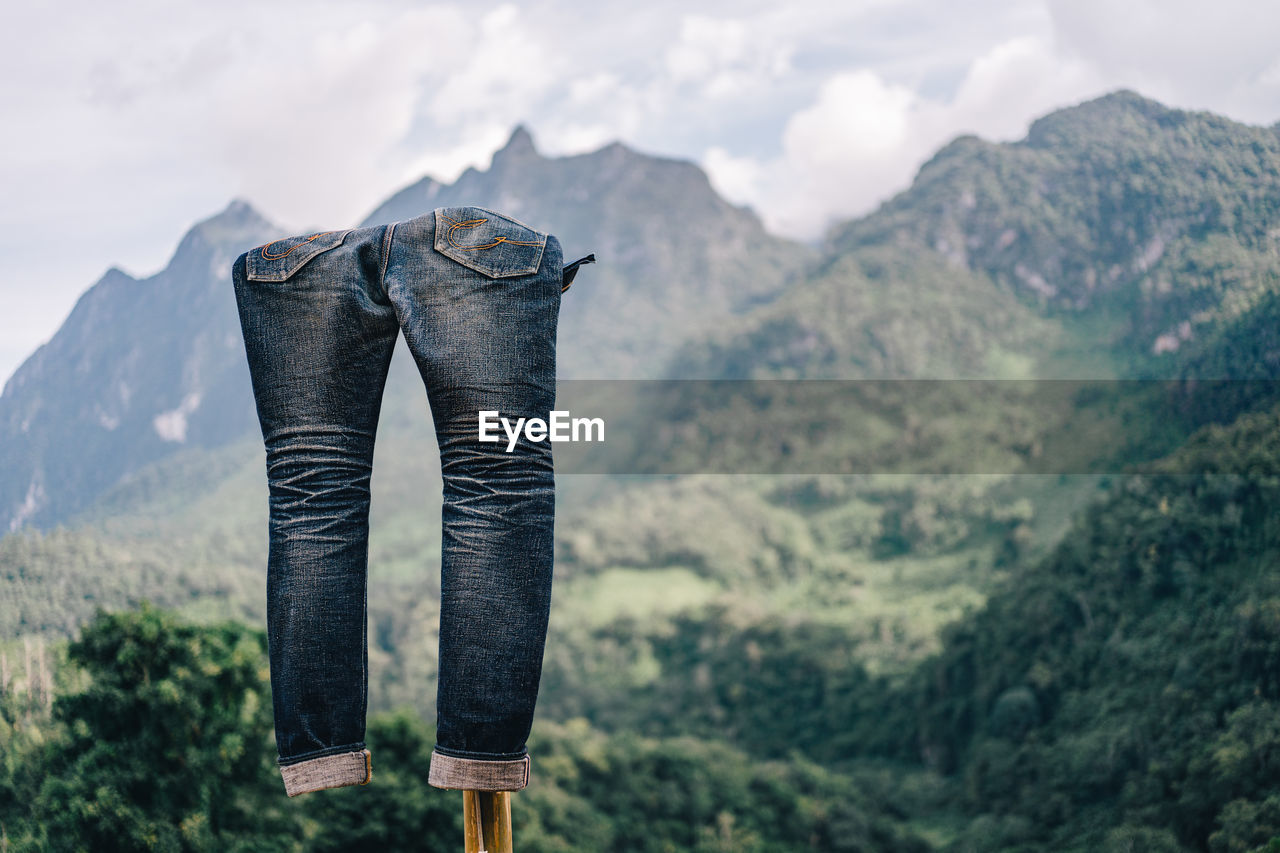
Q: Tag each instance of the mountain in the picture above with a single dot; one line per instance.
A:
(144, 368)
(1119, 238)
(883, 312)
(1115, 239)
(139, 369)
(1123, 692)
(1154, 225)
(675, 259)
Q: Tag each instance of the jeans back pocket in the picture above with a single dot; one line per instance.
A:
(493, 245)
(279, 260)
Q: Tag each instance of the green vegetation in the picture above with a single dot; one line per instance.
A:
(1064, 654)
(165, 747)
(161, 750)
(1120, 212)
(1117, 691)
(1131, 677)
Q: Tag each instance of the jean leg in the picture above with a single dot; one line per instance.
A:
(485, 344)
(319, 345)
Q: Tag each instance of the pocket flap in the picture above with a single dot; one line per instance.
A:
(278, 260)
(493, 245)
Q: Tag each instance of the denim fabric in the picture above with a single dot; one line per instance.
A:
(477, 297)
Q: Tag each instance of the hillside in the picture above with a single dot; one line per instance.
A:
(1157, 224)
(140, 369)
(1127, 687)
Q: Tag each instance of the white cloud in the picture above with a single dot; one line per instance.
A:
(846, 151)
(507, 66)
(723, 58)
(1011, 85)
(310, 130)
(738, 179)
(863, 138)
(601, 108)
(1189, 53)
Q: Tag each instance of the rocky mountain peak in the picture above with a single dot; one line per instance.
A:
(238, 217)
(236, 227)
(519, 144)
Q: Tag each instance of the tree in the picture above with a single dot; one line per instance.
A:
(168, 748)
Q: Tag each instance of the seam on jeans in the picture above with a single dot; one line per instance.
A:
(364, 646)
(505, 216)
(267, 257)
(320, 753)
(473, 223)
(482, 756)
(386, 256)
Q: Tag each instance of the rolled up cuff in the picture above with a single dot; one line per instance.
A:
(473, 774)
(328, 771)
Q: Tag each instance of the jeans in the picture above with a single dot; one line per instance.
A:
(477, 296)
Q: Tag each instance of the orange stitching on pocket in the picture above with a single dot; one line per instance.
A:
(466, 223)
(472, 223)
(267, 257)
(498, 240)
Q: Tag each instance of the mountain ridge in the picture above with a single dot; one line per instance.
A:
(1001, 259)
(1159, 221)
(144, 367)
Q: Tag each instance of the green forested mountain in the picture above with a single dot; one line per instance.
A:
(1159, 224)
(1124, 690)
(1072, 659)
(1116, 236)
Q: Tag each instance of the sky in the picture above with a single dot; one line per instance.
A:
(125, 123)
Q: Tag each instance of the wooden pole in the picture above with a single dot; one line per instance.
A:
(486, 821)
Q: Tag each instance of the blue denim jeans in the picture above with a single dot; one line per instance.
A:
(477, 296)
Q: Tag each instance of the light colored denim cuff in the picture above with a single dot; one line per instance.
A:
(328, 771)
(472, 774)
